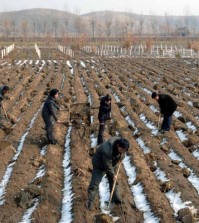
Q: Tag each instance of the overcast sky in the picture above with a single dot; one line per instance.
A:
(156, 7)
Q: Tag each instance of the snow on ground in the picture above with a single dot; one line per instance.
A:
(138, 193)
(153, 108)
(9, 169)
(196, 154)
(191, 126)
(82, 63)
(193, 179)
(26, 218)
(149, 124)
(142, 145)
(66, 214)
(181, 135)
(177, 114)
(173, 197)
(142, 204)
(70, 66)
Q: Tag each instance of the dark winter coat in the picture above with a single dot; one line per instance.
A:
(50, 108)
(106, 156)
(167, 104)
(104, 111)
(1, 94)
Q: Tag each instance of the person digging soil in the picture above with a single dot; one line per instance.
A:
(103, 116)
(167, 108)
(104, 161)
(49, 114)
(3, 91)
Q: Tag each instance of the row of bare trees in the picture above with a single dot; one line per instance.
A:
(111, 24)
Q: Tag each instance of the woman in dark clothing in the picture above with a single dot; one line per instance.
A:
(103, 116)
(49, 114)
(167, 108)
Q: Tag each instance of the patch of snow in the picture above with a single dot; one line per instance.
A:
(190, 103)
(149, 124)
(191, 126)
(144, 148)
(196, 154)
(142, 204)
(28, 213)
(82, 63)
(9, 168)
(177, 203)
(66, 215)
(153, 108)
(181, 135)
(177, 114)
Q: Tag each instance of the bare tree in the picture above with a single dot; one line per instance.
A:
(7, 27)
(141, 22)
(99, 29)
(108, 23)
(167, 19)
(77, 23)
(13, 29)
(186, 18)
(67, 18)
(44, 27)
(55, 26)
(92, 22)
(24, 28)
(34, 25)
(154, 24)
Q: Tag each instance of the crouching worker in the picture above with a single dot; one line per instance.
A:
(104, 161)
(167, 108)
(49, 114)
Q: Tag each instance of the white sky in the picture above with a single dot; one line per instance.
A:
(156, 7)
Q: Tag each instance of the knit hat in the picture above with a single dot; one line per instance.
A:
(154, 95)
(53, 92)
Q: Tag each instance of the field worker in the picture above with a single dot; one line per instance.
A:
(49, 114)
(103, 115)
(3, 91)
(167, 108)
(104, 161)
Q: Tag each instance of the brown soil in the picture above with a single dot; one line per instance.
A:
(127, 78)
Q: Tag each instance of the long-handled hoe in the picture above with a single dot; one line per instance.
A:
(159, 119)
(4, 111)
(113, 188)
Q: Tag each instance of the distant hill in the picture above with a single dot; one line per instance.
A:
(49, 22)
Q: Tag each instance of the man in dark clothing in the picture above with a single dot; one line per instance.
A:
(49, 114)
(3, 90)
(104, 161)
(167, 108)
(103, 116)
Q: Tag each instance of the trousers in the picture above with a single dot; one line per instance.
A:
(96, 178)
(166, 123)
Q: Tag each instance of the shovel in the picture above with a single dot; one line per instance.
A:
(113, 188)
(4, 111)
(159, 119)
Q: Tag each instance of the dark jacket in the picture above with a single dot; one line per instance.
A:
(2, 96)
(104, 110)
(167, 104)
(50, 108)
(106, 156)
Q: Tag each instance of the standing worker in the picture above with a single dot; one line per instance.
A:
(104, 161)
(49, 114)
(167, 108)
(103, 116)
(3, 90)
